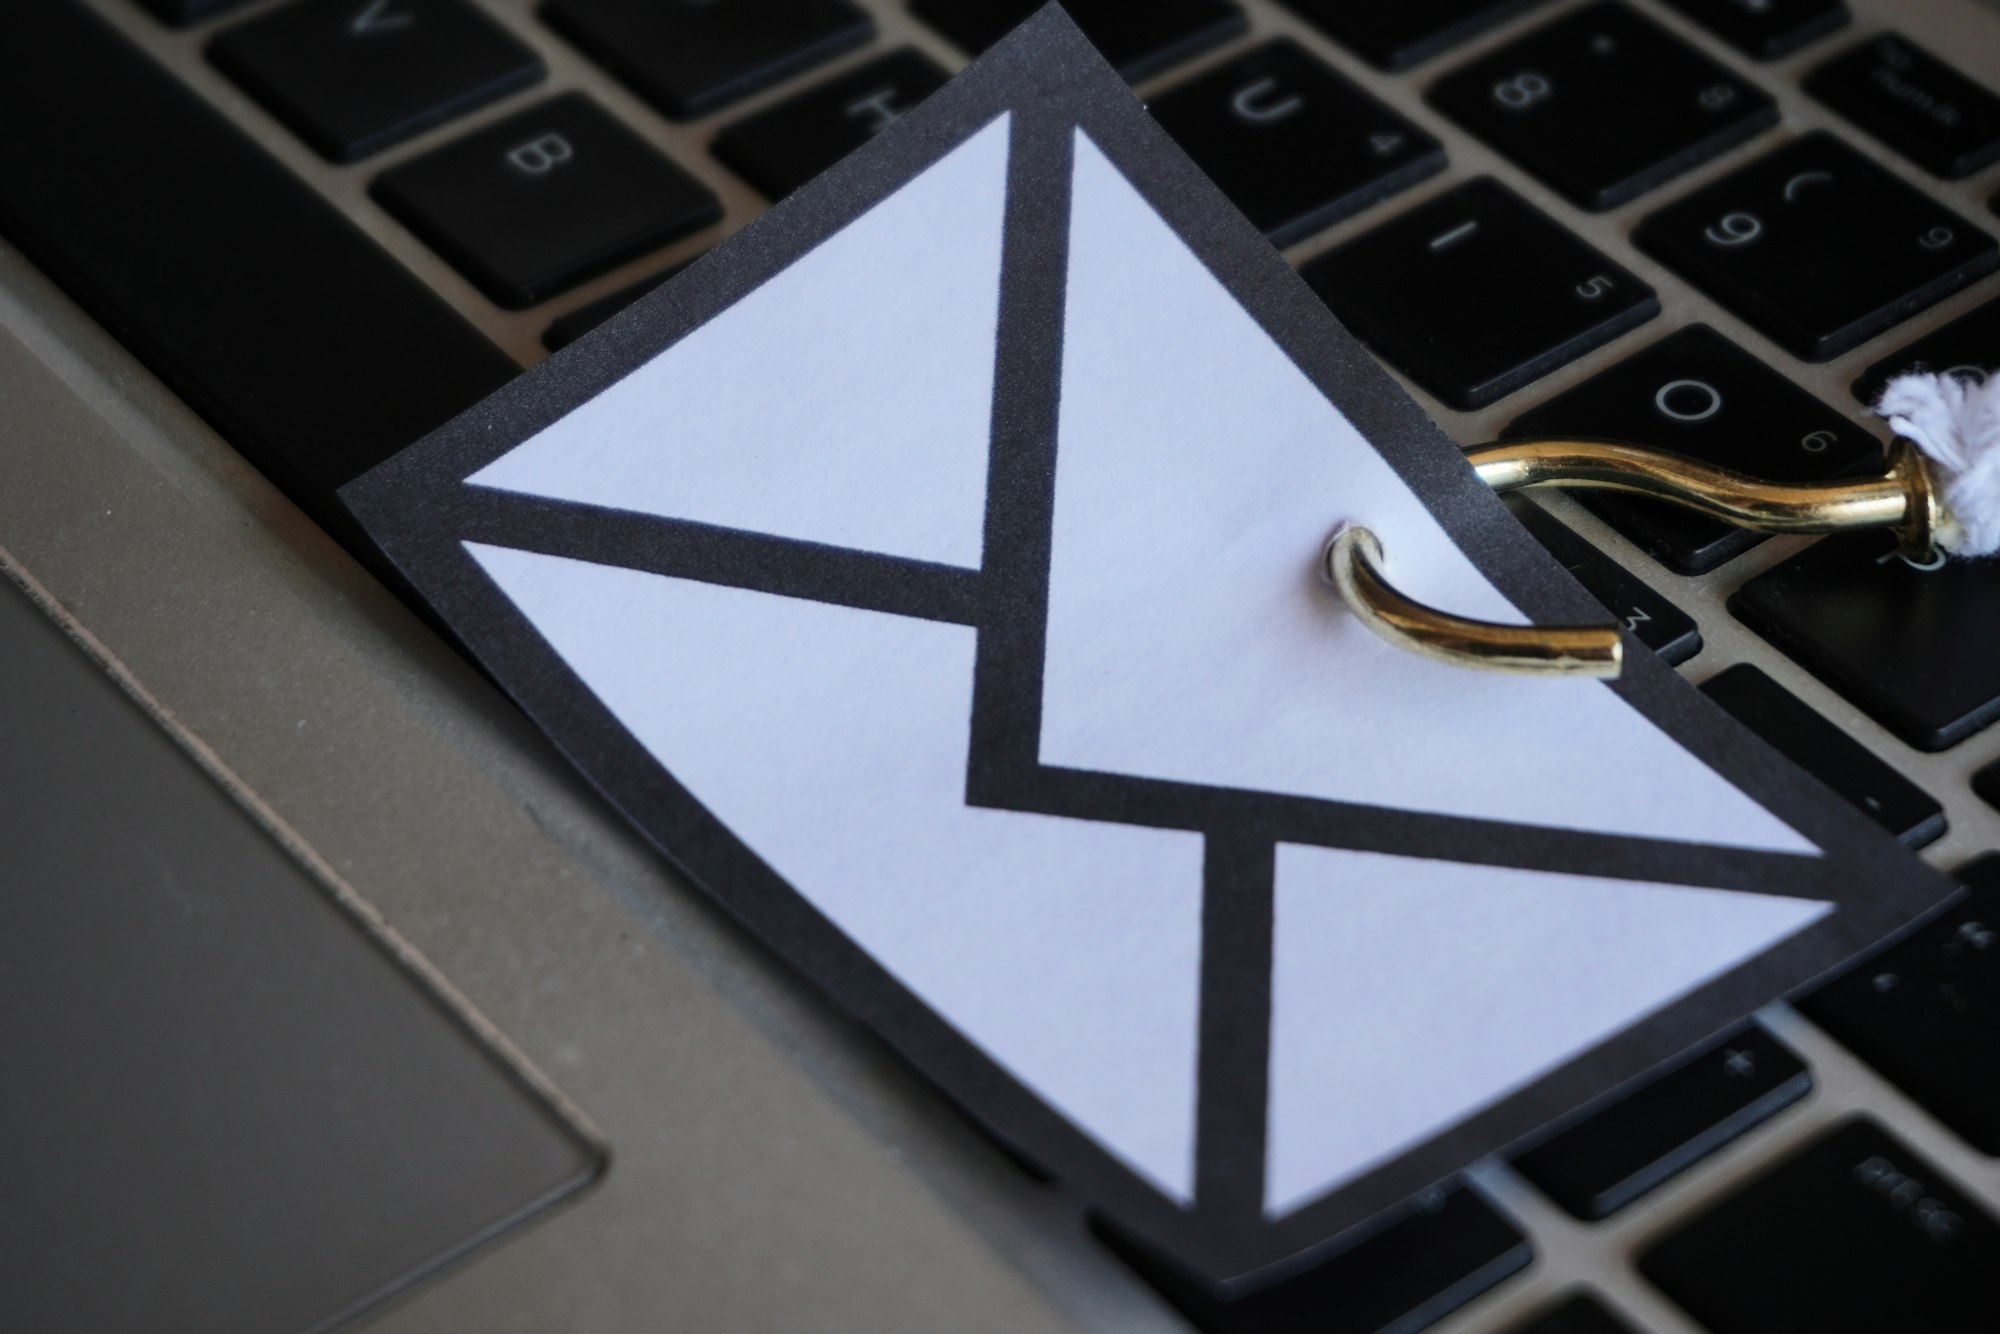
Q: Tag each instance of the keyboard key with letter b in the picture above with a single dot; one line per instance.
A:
(542, 201)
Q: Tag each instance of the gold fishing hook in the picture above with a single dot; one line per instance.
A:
(1904, 498)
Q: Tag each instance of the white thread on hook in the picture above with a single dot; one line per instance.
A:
(1955, 421)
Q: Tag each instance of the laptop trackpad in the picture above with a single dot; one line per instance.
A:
(223, 1106)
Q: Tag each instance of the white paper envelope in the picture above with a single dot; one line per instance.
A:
(932, 573)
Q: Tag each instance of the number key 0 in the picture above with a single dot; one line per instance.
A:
(1818, 247)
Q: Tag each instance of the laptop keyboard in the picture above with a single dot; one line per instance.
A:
(1616, 217)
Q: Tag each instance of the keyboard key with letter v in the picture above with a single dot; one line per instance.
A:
(351, 77)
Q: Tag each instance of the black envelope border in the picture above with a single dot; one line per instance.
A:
(1051, 82)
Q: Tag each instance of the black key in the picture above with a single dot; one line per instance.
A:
(1926, 1011)
(1604, 104)
(780, 149)
(1913, 102)
(1917, 648)
(1656, 622)
(1450, 1249)
(304, 344)
(689, 57)
(1818, 247)
(1294, 145)
(183, 12)
(1767, 29)
(1789, 724)
(1601, 1164)
(1399, 35)
(1578, 1315)
(1140, 40)
(1474, 294)
(351, 77)
(1969, 347)
(1852, 1235)
(566, 329)
(539, 202)
(1696, 393)
(1986, 784)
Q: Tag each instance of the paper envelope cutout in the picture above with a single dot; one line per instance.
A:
(931, 573)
